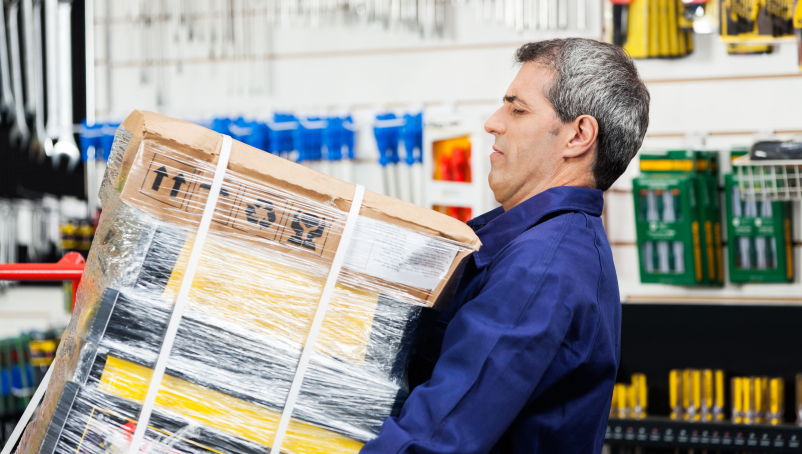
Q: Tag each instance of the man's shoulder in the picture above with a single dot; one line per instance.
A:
(561, 239)
(556, 227)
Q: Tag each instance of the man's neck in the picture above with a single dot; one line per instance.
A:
(559, 180)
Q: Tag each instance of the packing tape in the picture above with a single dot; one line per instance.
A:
(317, 322)
(183, 294)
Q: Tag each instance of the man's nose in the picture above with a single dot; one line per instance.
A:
(494, 125)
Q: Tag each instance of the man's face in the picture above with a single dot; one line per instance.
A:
(528, 140)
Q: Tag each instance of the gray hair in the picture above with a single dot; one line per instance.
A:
(597, 79)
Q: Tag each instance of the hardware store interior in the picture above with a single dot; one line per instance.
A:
(232, 295)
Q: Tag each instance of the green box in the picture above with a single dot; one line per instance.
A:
(709, 206)
(667, 223)
(692, 179)
(759, 237)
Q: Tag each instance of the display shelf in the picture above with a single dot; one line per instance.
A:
(471, 194)
(713, 300)
(769, 179)
(722, 436)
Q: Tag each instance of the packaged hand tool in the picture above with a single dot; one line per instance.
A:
(759, 233)
(677, 219)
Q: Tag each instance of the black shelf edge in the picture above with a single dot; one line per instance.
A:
(722, 436)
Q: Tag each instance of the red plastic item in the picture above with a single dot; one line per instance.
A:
(460, 165)
(69, 268)
(446, 168)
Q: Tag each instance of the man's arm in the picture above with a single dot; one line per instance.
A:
(495, 351)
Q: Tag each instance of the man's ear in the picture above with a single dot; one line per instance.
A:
(584, 131)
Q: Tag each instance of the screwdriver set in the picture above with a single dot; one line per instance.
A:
(760, 235)
(677, 221)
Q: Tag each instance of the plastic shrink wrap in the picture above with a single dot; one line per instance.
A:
(272, 237)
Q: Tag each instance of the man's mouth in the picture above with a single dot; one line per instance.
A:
(496, 150)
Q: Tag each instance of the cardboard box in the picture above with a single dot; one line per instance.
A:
(178, 193)
(272, 239)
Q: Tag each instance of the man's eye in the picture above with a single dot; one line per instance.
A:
(517, 112)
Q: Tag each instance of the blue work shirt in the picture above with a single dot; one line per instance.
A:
(525, 357)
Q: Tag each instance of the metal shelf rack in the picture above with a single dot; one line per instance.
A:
(721, 436)
(769, 179)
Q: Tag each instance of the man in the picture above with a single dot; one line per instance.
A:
(525, 358)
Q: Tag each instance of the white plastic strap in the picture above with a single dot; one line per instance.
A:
(317, 323)
(26, 416)
(183, 294)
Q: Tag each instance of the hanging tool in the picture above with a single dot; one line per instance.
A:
(386, 130)
(160, 43)
(562, 14)
(349, 151)
(691, 13)
(744, 13)
(109, 59)
(179, 20)
(620, 21)
(7, 107)
(19, 134)
(66, 142)
(144, 24)
(543, 20)
(412, 135)
(30, 60)
(213, 30)
(798, 26)
(781, 14)
(39, 136)
(52, 71)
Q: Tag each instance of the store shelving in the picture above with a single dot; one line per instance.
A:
(721, 436)
(769, 179)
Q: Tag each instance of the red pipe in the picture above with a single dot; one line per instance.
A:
(69, 268)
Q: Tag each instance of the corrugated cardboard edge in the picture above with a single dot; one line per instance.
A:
(194, 139)
(204, 144)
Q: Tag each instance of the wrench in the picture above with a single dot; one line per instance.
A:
(7, 107)
(66, 141)
(39, 136)
(19, 134)
(51, 55)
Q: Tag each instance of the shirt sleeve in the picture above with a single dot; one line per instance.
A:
(495, 352)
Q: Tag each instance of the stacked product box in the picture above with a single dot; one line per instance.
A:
(677, 220)
(759, 233)
(250, 350)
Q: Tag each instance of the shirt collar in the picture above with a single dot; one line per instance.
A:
(497, 228)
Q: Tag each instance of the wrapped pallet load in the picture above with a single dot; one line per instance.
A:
(236, 302)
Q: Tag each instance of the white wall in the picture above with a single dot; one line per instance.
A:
(31, 308)
(708, 98)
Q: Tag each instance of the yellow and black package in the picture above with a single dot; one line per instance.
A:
(756, 21)
(249, 293)
(652, 28)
